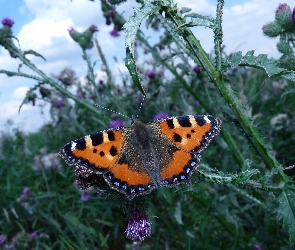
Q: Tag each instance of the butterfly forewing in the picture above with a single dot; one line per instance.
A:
(99, 151)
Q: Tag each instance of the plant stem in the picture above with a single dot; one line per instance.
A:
(104, 61)
(91, 77)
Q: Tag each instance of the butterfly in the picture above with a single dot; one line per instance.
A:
(138, 159)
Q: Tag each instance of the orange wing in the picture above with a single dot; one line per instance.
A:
(191, 134)
(98, 152)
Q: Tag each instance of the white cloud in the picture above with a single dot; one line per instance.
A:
(202, 6)
(29, 119)
(20, 93)
(39, 33)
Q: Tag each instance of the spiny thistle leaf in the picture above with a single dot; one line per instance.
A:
(270, 66)
(32, 52)
(261, 61)
(289, 75)
(200, 20)
(286, 210)
(133, 23)
(185, 10)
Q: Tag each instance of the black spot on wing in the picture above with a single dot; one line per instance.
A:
(96, 139)
(80, 144)
(113, 151)
(200, 120)
(111, 135)
(170, 123)
(184, 121)
(177, 137)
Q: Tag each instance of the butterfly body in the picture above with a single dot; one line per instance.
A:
(136, 160)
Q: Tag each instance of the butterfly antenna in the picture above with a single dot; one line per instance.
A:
(99, 106)
(140, 106)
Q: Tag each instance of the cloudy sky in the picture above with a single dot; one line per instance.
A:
(42, 25)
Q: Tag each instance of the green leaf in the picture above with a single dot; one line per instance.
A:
(270, 66)
(131, 66)
(286, 211)
(185, 10)
(200, 20)
(289, 75)
(261, 61)
(133, 23)
(32, 52)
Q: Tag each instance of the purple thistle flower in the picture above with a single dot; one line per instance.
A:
(33, 235)
(197, 69)
(293, 15)
(264, 27)
(79, 95)
(139, 226)
(93, 28)
(71, 30)
(161, 115)
(283, 6)
(116, 123)
(7, 22)
(256, 247)
(114, 33)
(59, 104)
(85, 196)
(26, 191)
(198, 103)
(3, 240)
(151, 74)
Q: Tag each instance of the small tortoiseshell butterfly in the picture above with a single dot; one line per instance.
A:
(136, 160)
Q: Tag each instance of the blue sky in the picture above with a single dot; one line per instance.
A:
(42, 25)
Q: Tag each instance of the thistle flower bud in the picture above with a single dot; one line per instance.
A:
(284, 17)
(45, 92)
(272, 29)
(74, 34)
(284, 47)
(84, 39)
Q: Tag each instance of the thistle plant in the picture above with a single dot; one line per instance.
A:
(241, 168)
(283, 27)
